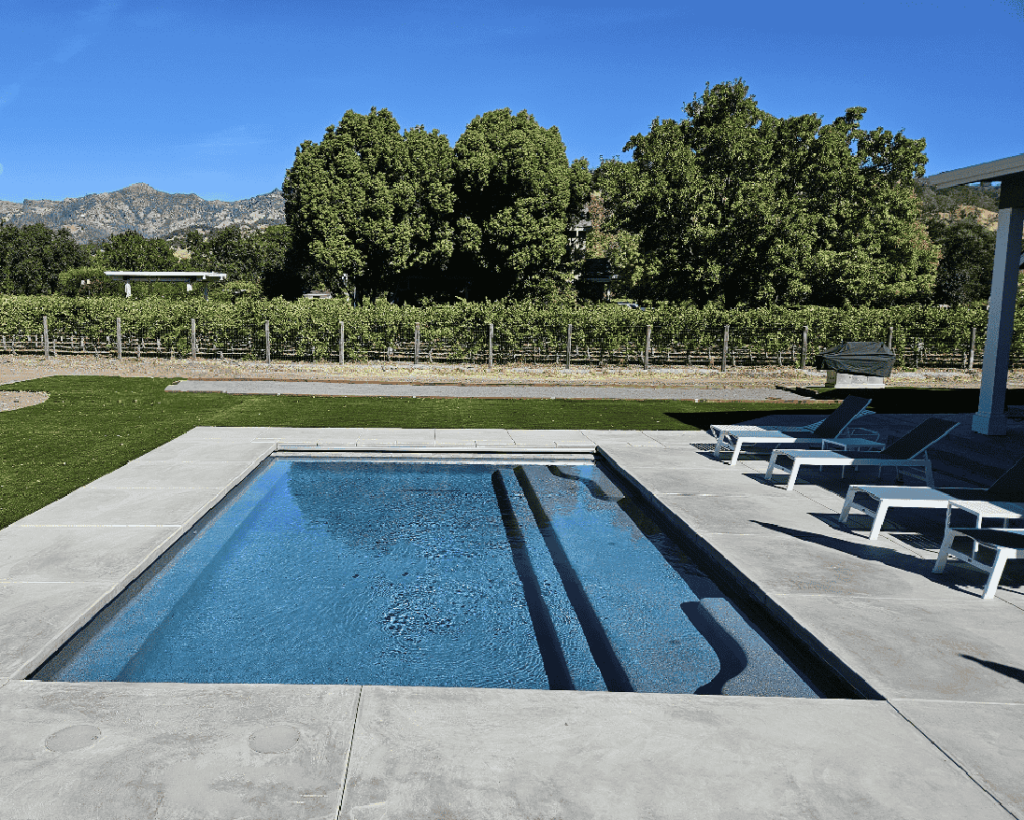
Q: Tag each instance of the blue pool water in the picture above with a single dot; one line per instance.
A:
(344, 571)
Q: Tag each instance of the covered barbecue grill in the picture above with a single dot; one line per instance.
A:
(856, 364)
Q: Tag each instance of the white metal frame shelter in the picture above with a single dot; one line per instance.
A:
(990, 420)
(189, 278)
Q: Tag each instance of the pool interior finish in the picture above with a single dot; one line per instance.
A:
(520, 573)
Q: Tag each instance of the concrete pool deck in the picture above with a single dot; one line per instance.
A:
(943, 738)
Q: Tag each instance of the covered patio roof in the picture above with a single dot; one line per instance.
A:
(1009, 172)
(188, 277)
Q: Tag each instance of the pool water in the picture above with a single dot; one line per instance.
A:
(429, 573)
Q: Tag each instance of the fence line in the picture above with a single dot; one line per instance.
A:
(541, 343)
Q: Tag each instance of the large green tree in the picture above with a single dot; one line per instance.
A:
(33, 257)
(255, 262)
(370, 208)
(967, 250)
(516, 198)
(131, 251)
(734, 206)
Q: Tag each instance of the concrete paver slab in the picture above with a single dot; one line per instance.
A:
(175, 475)
(835, 564)
(193, 450)
(78, 554)
(34, 619)
(116, 507)
(627, 438)
(752, 514)
(488, 754)
(531, 437)
(474, 437)
(684, 480)
(673, 462)
(679, 438)
(986, 739)
(173, 750)
(918, 648)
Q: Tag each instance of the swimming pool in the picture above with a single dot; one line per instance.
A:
(498, 573)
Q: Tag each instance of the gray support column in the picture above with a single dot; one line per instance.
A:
(195, 342)
(118, 337)
(990, 420)
(725, 346)
(341, 343)
(974, 342)
(568, 347)
(46, 338)
(647, 349)
(803, 346)
(266, 337)
(416, 344)
(490, 344)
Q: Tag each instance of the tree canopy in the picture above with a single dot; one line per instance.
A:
(967, 250)
(131, 251)
(516, 197)
(33, 257)
(370, 208)
(735, 206)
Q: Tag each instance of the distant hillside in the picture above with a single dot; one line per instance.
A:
(987, 219)
(142, 208)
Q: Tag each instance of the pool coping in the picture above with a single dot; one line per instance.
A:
(880, 583)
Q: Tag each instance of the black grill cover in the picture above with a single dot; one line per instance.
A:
(859, 358)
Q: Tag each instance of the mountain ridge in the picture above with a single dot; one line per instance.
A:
(142, 208)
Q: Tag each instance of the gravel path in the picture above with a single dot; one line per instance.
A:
(481, 391)
(331, 379)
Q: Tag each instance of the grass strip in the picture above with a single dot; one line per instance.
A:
(91, 425)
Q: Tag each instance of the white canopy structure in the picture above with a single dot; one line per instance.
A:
(188, 277)
(990, 420)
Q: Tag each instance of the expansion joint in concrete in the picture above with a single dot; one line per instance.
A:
(953, 760)
(348, 754)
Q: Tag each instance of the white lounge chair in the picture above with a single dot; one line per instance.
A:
(909, 451)
(831, 427)
(1004, 500)
(1007, 544)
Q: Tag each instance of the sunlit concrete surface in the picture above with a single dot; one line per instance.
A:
(941, 738)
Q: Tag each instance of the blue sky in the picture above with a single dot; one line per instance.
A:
(213, 97)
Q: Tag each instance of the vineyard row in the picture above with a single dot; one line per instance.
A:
(543, 342)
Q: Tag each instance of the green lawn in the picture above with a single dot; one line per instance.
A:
(92, 425)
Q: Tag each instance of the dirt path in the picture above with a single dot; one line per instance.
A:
(20, 368)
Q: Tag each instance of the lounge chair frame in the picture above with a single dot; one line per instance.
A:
(908, 452)
(817, 434)
(1004, 500)
(1007, 543)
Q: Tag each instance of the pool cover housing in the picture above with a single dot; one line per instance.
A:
(857, 358)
